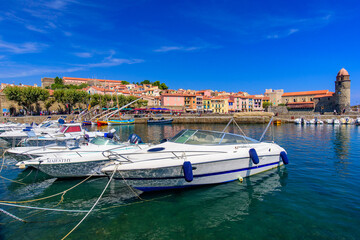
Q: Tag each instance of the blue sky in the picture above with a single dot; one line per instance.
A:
(220, 45)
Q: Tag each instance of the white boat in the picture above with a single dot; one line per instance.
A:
(97, 144)
(80, 162)
(194, 158)
(330, 121)
(300, 121)
(316, 121)
(347, 120)
(69, 131)
(18, 134)
(336, 121)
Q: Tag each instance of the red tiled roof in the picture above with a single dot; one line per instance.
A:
(319, 92)
(91, 79)
(329, 94)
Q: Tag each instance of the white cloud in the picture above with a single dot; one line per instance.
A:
(83, 54)
(20, 48)
(282, 34)
(35, 29)
(176, 48)
(15, 70)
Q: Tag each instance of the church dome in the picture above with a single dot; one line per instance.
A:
(343, 72)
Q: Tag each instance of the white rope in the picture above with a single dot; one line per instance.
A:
(11, 215)
(45, 209)
(97, 201)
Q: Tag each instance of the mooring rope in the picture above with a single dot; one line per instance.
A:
(12, 215)
(137, 195)
(54, 195)
(97, 201)
(45, 209)
(3, 160)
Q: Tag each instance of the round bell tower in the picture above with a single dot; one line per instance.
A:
(342, 91)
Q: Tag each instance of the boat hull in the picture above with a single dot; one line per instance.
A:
(213, 172)
(121, 122)
(159, 122)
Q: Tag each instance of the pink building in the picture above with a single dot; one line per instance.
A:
(172, 100)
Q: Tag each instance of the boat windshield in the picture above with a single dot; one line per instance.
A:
(202, 137)
(103, 141)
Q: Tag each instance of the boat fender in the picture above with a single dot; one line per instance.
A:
(253, 155)
(284, 157)
(188, 171)
(61, 121)
(133, 138)
(110, 135)
(86, 137)
(72, 121)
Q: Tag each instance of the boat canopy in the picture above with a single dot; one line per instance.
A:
(103, 141)
(202, 137)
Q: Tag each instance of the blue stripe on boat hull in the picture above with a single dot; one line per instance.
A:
(207, 174)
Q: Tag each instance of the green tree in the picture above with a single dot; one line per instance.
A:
(49, 102)
(70, 97)
(163, 86)
(266, 104)
(145, 82)
(26, 96)
(125, 82)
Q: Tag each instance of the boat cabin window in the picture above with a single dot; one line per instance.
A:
(201, 137)
(63, 128)
(103, 141)
(73, 129)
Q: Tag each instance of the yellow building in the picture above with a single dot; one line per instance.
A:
(220, 104)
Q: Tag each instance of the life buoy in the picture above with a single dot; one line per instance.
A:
(253, 155)
(188, 172)
(284, 157)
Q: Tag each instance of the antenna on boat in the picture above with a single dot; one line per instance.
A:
(262, 136)
(242, 132)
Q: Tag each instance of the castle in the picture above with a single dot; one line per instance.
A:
(318, 101)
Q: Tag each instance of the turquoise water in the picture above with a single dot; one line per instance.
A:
(316, 196)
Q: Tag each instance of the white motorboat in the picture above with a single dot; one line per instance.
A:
(15, 134)
(347, 120)
(300, 121)
(194, 158)
(336, 121)
(69, 131)
(97, 144)
(315, 121)
(330, 121)
(83, 161)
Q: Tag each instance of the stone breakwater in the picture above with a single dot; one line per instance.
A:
(208, 119)
(195, 119)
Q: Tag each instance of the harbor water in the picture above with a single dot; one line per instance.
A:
(316, 196)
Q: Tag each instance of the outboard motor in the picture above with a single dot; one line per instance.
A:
(109, 135)
(135, 139)
(86, 137)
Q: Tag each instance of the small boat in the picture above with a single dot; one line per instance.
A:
(83, 162)
(85, 123)
(277, 122)
(159, 121)
(194, 158)
(316, 121)
(101, 123)
(347, 120)
(121, 122)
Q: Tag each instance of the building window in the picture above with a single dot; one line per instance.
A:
(294, 100)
